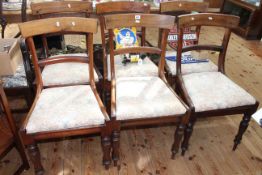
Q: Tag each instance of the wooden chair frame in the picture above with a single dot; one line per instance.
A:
(118, 7)
(72, 25)
(177, 8)
(60, 9)
(181, 7)
(209, 19)
(11, 134)
(48, 9)
(147, 20)
(63, 9)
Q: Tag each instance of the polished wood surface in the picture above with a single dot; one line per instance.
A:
(70, 25)
(139, 20)
(171, 6)
(147, 151)
(44, 8)
(55, 25)
(121, 7)
(215, 3)
(208, 19)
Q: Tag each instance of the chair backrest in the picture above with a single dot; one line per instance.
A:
(164, 22)
(62, 8)
(63, 25)
(118, 7)
(183, 6)
(177, 8)
(206, 19)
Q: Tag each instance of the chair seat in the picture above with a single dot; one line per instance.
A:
(148, 68)
(213, 90)
(65, 108)
(190, 68)
(145, 97)
(67, 73)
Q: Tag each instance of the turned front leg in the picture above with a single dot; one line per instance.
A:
(116, 146)
(106, 145)
(178, 137)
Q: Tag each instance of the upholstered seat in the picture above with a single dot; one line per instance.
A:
(65, 108)
(190, 68)
(66, 73)
(213, 90)
(145, 97)
(147, 68)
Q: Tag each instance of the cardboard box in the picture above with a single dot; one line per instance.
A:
(10, 56)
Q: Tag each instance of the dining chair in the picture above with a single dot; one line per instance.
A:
(212, 93)
(121, 7)
(9, 133)
(63, 111)
(177, 8)
(142, 100)
(66, 73)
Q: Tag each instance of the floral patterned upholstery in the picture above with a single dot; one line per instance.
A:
(66, 73)
(148, 68)
(145, 97)
(190, 68)
(213, 90)
(65, 108)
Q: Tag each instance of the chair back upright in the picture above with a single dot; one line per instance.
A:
(164, 22)
(228, 22)
(177, 8)
(118, 7)
(180, 7)
(63, 25)
(60, 9)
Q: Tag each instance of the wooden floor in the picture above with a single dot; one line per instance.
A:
(147, 151)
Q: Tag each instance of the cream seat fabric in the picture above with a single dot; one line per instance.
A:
(148, 68)
(65, 108)
(213, 90)
(190, 68)
(145, 97)
(66, 73)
